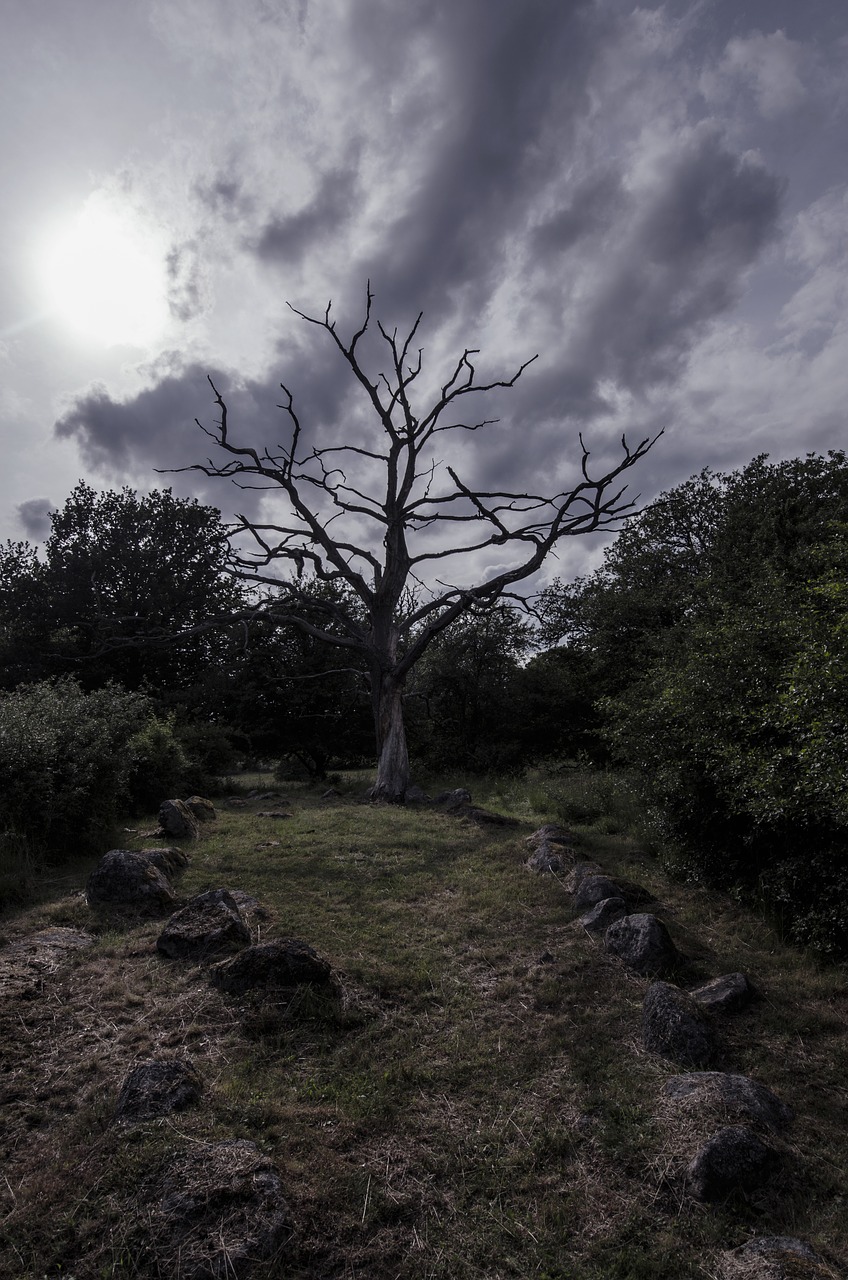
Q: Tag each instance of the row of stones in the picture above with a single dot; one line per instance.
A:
(678, 1026)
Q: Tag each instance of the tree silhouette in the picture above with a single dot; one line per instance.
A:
(376, 523)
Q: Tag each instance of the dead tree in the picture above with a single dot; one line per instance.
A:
(378, 600)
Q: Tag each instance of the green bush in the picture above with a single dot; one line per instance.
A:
(64, 765)
(159, 766)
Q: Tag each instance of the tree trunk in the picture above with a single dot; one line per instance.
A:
(393, 758)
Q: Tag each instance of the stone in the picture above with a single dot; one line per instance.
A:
(416, 795)
(579, 872)
(595, 888)
(603, 914)
(735, 1094)
(642, 943)
(727, 994)
(177, 820)
(203, 810)
(273, 966)
(774, 1258)
(550, 833)
(330, 794)
(675, 1027)
(547, 857)
(210, 924)
(453, 799)
(154, 1089)
(734, 1159)
(130, 881)
(235, 802)
(273, 813)
(171, 862)
(220, 1212)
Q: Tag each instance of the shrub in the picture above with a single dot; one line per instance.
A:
(159, 766)
(64, 765)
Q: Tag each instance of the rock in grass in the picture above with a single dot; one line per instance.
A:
(177, 820)
(210, 924)
(550, 833)
(734, 1094)
(642, 942)
(734, 1159)
(675, 1027)
(774, 1258)
(593, 889)
(603, 914)
(547, 857)
(273, 966)
(129, 881)
(154, 1089)
(171, 862)
(727, 994)
(203, 810)
(220, 1212)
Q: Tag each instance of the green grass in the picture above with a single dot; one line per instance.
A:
(477, 1105)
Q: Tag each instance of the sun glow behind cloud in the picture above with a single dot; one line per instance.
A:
(103, 275)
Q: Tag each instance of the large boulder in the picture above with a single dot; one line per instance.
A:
(153, 1089)
(675, 1027)
(210, 924)
(734, 1095)
(642, 942)
(203, 810)
(219, 1211)
(450, 800)
(551, 833)
(734, 1159)
(593, 889)
(171, 862)
(177, 820)
(727, 994)
(129, 881)
(603, 914)
(273, 966)
(547, 858)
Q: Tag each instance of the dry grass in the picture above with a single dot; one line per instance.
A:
(478, 1105)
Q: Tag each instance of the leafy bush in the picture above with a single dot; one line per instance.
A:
(159, 766)
(64, 765)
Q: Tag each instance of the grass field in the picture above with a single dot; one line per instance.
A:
(478, 1104)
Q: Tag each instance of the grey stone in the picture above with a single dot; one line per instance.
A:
(550, 833)
(416, 795)
(154, 1089)
(734, 1159)
(210, 924)
(129, 880)
(642, 942)
(453, 799)
(177, 820)
(595, 888)
(547, 857)
(730, 992)
(221, 1210)
(171, 862)
(578, 872)
(203, 810)
(273, 966)
(603, 914)
(736, 1094)
(675, 1027)
(775, 1258)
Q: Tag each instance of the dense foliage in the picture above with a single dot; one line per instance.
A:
(718, 632)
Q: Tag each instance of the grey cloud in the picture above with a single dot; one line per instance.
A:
(680, 265)
(286, 238)
(185, 287)
(35, 515)
(592, 208)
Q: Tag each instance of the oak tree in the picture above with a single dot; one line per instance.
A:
(384, 519)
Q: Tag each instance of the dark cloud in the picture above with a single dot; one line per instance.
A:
(681, 263)
(591, 209)
(34, 515)
(287, 238)
(185, 290)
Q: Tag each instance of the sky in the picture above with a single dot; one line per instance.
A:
(651, 197)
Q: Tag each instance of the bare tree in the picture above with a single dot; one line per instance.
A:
(383, 610)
